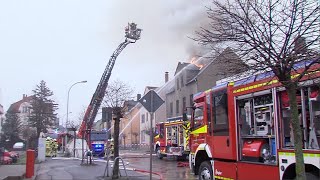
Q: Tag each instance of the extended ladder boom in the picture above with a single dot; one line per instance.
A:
(132, 34)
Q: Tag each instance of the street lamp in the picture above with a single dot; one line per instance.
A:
(68, 99)
(67, 120)
(62, 118)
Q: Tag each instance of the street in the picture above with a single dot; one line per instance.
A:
(137, 165)
(167, 167)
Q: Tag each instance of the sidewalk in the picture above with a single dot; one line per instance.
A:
(14, 172)
(71, 168)
(63, 167)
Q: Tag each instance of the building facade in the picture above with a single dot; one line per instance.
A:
(22, 108)
(1, 117)
(145, 118)
(192, 78)
(130, 126)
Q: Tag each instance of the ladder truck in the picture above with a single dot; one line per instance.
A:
(132, 34)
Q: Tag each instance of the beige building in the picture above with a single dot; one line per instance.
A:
(130, 127)
(129, 124)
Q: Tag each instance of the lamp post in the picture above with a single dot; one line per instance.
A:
(62, 118)
(67, 120)
(68, 99)
(62, 142)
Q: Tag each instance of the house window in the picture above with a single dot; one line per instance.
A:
(171, 109)
(184, 103)
(182, 84)
(177, 106)
(24, 109)
(143, 118)
(178, 84)
(147, 115)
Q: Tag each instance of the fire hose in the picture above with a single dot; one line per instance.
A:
(182, 164)
(145, 171)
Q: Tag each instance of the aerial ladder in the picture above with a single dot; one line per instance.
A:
(132, 34)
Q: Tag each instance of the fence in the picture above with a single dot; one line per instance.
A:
(135, 146)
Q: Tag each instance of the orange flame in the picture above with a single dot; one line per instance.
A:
(194, 61)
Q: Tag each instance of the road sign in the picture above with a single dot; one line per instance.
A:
(151, 101)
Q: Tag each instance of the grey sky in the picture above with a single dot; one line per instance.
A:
(65, 41)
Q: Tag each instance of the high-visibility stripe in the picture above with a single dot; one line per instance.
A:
(186, 127)
(304, 154)
(172, 123)
(270, 82)
(224, 178)
(203, 129)
(255, 86)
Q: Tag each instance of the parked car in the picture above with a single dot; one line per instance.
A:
(5, 160)
(11, 154)
(18, 146)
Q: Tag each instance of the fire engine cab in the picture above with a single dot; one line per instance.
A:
(172, 139)
(242, 130)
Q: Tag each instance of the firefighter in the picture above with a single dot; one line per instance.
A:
(48, 147)
(54, 147)
(111, 149)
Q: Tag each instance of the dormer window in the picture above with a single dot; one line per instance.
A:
(24, 109)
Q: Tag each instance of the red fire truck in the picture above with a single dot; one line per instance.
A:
(242, 130)
(172, 139)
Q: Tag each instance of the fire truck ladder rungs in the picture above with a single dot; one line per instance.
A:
(98, 96)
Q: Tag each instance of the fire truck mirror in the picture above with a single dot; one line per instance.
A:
(184, 117)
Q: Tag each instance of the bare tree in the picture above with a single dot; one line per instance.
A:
(270, 35)
(117, 94)
(77, 122)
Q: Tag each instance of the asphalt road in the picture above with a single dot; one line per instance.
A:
(137, 165)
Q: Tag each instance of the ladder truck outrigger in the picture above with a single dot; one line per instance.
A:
(132, 34)
(241, 129)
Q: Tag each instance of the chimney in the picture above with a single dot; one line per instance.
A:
(166, 77)
(300, 46)
(138, 97)
(24, 96)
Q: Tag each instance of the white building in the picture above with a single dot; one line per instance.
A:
(22, 108)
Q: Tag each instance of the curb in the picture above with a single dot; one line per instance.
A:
(14, 177)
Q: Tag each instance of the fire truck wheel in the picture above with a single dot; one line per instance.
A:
(159, 155)
(205, 171)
